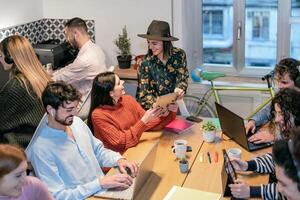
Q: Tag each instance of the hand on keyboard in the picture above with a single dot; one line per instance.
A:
(261, 137)
(116, 181)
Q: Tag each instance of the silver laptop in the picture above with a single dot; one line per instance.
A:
(36, 134)
(145, 169)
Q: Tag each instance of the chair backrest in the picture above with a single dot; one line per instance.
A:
(84, 110)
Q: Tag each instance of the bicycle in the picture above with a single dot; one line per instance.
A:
(201, 107)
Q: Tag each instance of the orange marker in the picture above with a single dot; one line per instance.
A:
(216, 157)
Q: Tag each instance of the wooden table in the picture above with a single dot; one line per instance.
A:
(206, 176)
(126, 74)
(202, 175)
(166, 167)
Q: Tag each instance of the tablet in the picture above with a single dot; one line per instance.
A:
(163, 101)
(229, 168)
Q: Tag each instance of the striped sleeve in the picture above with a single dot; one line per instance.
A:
(265, 164)
(270, 192)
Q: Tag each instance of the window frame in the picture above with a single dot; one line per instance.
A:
(238, 68)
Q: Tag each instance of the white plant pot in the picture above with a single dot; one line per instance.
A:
(209, 136)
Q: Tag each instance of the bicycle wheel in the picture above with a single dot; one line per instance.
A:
(193, 105)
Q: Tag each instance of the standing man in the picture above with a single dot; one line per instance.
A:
(66, 156)
(89, 62)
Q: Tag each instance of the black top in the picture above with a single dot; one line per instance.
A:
(20, 113)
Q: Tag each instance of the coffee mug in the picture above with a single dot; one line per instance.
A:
(234, 153)
(180, 148)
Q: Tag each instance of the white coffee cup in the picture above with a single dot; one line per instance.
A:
(234, 153)
(180, 148)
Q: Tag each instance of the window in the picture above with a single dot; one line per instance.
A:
(295, 8)
(294, 20)
(240, 37)
(217, 38)
(260, 25)
(213, 22)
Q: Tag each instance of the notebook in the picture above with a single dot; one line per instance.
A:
(233, 126)
(180, 193)
(178, 126)
(145, 170)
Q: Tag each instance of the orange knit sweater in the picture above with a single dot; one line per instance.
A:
(120, 127)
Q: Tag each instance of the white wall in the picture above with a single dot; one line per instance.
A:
(17, 12)
(110, 16)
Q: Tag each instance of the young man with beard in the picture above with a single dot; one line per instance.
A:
(67, 157)
(89, 62)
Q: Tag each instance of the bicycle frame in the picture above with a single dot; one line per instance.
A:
(214, 90)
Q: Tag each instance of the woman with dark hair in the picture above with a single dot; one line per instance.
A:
(285, 108)
(20, 98)
(14, 184)
(163, 69)
(285, 111)
(287, 165)
(117, 119)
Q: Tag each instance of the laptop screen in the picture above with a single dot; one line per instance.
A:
(232, 125)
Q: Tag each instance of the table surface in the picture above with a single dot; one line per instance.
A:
(206, 176)
(202, 175)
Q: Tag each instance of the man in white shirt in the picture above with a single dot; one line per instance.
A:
(89, 62)
(67, 157)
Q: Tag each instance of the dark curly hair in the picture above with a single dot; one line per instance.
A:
(288, 66)
(289, 102)
(57, 93)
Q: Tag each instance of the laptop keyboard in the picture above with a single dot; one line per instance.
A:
(119, 194)
(122, 194)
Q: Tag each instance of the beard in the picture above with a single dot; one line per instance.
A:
(66, 121)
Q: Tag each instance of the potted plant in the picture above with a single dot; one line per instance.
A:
(183, 165)
(209, 131)
(123, 43)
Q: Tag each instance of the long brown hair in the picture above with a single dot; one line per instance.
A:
(26, 67)
(10, 158)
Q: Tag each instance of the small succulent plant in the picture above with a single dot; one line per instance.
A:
(209, 126)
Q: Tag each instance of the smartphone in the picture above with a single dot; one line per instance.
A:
(194, 119)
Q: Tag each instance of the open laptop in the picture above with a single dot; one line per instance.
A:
(36, 134)
(145, 169)
(233, 126)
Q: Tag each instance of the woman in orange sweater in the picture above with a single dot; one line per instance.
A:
(117, 119)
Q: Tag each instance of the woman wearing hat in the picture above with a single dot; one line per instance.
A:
(163, 69)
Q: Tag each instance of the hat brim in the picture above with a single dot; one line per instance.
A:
(156, 37)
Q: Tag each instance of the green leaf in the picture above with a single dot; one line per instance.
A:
(123, 43)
